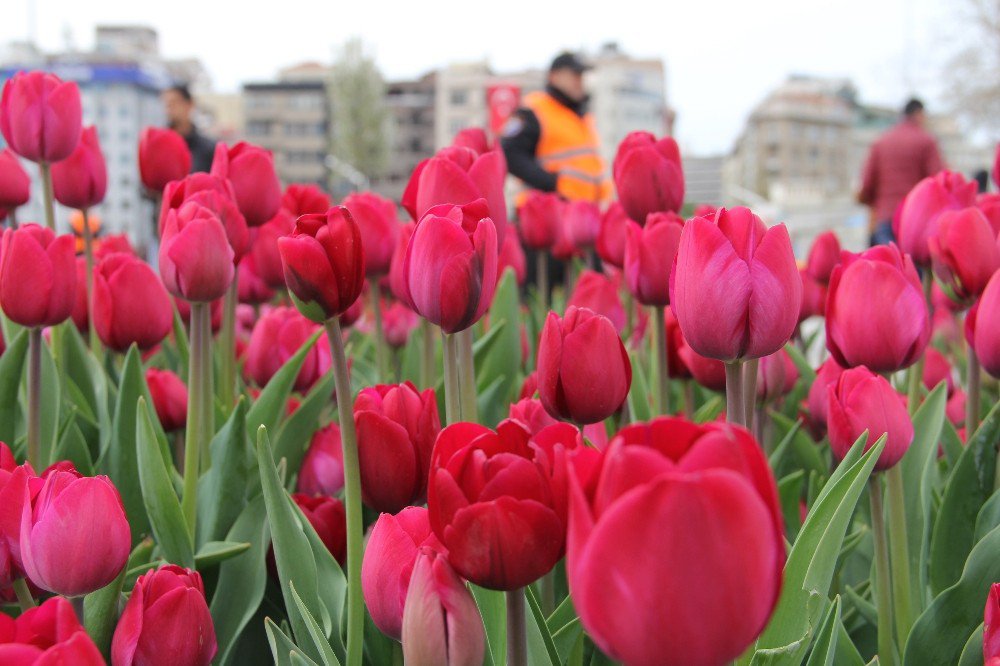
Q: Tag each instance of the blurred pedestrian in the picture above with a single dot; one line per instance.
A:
(179, 106)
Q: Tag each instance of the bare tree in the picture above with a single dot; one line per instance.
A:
(973, 75)
(359, 124)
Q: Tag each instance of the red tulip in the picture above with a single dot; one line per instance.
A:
(964, 253)
(302, 199)
(649, 256)
(676, 367)
(81, 180)
(497, 500)
(595, 291)
(512, 257)
(584, 372)
(166, 618)
(986, 327)
(80, 316)
(276, 337)
(988, 204)
(15, 184)
(163, 156)
(396, 427)
(131, 305)
(776, 376)
(379, 225)
(922, 208)
(735, 287)
(540, 219)
(530, 414)
(473, 138)
(398, 321)
(860, 400)
(659, 514)
(397, 273)
(611, 237)
(196, 259)
(582, 223)
(441, 622)
(322, 470)
(47, 635)
(251, 286)
(648, 175)
(264, 249)
(827, 375)
(937, 369)
(170, 398)
(458, 176)
(37, 276)
(388, 563)
(991, 613)
(705, 210)
(823, 256)
(876, 314)
(813, 303)
(955, 408)
(324, 263)
(113, 243)
(215, 194)
(708, 372)
(250, 170)
(41, 116)
(450, 267)
(327, 517)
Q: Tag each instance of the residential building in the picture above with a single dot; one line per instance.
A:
(411, 107)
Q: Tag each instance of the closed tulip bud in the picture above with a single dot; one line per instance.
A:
(196, 259)
(876, 314)
(388, 563)
(921, 210)
(582, 223)
(937, 369)
(986, 327)
(15, 184)
(81, 180)
(163, 156)
(250, 170)
(473, 138)
(166, 618)
(41, 116)
(398, 321)
(540, 219)
(397, 426)
(131, 306)
(776, 376)
(328, 518)
(991, 618)
(735, 287)
(824, 254)
(596, 291)
(251, 288)
(37, 276)
(322, 470)
(658, 514)
(813, 303)
(676, 366)
(113, 243)
(860, 400)
(512, 258)
(648, 175)
(264, 249)
(170, 398)
(708, 372)
(611, 237)
(276, 337)
(451, 265)
(828, 374)
(458, 176)
(988, 204)
(397, 272)
(649, 256)
(324, 263)
(964, 253)
(58, 540)
(441, 622)
(497, 500)
(379, 225)
(584, 372)
(216, 195)
(303, 199)
(47, 634)
(955, 408)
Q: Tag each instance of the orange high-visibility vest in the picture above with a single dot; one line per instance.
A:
(568, 145)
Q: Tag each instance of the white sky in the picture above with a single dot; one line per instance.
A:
(721, 56)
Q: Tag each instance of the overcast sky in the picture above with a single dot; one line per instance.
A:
(721, 56)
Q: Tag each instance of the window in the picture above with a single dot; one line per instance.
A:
(459, 97)
(258, 128)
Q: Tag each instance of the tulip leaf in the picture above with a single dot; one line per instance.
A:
(493, 608)
(939, 635)
(501, 361)
(100, 612)
(216, 552)
(710, 410)
(790, 495)
(323, 649)
(158, 496)
(270, 406)
(181, 341)
(73, 447)
(242, 579)
(638, 395)
(491, 406)
(12, 364)
(85, 372)
(482, 347)
(222, 488)
(284, 648)
(969, 486)
(988, 518)
(824, 649)
(292, 440)
(951, 443)
(972, 654)
(51, 409)
(538, 629)
(813, 557)
(332, 583)
(806, 371)
(802, 452)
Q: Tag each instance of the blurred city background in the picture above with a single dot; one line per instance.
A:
(774, 105)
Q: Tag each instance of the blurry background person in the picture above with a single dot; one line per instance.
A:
(179, 106)
(897, 161)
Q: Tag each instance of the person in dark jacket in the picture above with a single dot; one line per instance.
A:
(179, 105)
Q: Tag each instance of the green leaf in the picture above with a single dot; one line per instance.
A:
(293, 438)
(790, 495)
(222, 488)
(100, 612)
(638, 395)
(801, 451)
(500, 361)
(73, 447)
(483, 346)
(972, 654)
(285, 651)
(158, 496)
(332, 583)
(824, 650)
(322, 647)
(51, 406)
(493, 608)
(802, 364)
(216, 552)
(12, 364)
(270, 406)
(82, 370)
(968, 488)
(710, 410)
(988, 518)
(539, 627)
(181, 340)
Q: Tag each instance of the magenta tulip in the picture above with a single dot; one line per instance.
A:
(163, 156)
(921, 209)
(276, 337)
(861, 400)
(41, 116)
(264, 249)
(302, 199)
(37, 276)
(512, 257)
(649, 255)
(582, 223)
(15, 184)
(986, 327)
(823, 256)
(322, 471)
(964, 253)
(379, 225)
(991, 613)
(596, 291)
(327, 516)
(648, 175)
(612, 236)
(170, 398)
(47, 635)
(540, 219)
(81, 180)
(828, 374)
(776, 376)
(131, 306)
(214, 194)
(196, 259)
(250, 170)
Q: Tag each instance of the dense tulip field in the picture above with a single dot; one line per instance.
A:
(318, 435)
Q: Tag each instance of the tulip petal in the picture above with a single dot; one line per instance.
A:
(594, 382)
(444, 182)
(776, 295)
(389, 474)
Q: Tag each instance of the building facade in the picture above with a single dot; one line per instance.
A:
(411, 107)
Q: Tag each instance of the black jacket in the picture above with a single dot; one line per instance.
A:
(202, 150)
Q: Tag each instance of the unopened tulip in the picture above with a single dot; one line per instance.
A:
(215, 194)
(955, 408)
(648, 175)
(922, 208)
(255, 183)
(473, 138)
(397, 266)
(937, 369)
(398, 321)
(388, 564)
(166, 619)
(497, 501)
(163, 156)
(379, 225)
(196, 259)
(596, 291)
(276, 337)
(988, 204)
(264, 249)
(451, 265)
(582, 223)
(37, 276)
(540, 219)
(827, 374)
(991, 618)
(823, 256)
(584, 372)
(861, 400)
(251, 289)
(813, 303)
(612, 235)
(15, 184)
(81, 180)
(441, 622)
(876, 314)
(322, 470)
(659, 514)
(302, 199)
(328, 518)
(113, 243)
(324, 263)
(776, 376)
(512, 257)
(708, 372)
(170, 398)
(131, 306)
(964, 253)
(530, 413)
(649, 255)
(676, 365)
(47, 634)
(41, 116)
(987, 327)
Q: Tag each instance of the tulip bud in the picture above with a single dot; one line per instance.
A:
(512, 257)
(79, 315)
(531, 414)
(921, 210)
(540, 219)
(264, 249)
(584, 372)
(47, 634)
(276, 337)
(379, 225)
(986, 327)
(303, 198)
(937, 369)
(113, 243)
(81, 180)
(649, 255)
(37, 276)
(708, 372)
(860, 400)
(322, 470)
(217, 196)
(324, 263)
(40, 116)
(813, 303)
(388, 563)
(828, 374)
(196, 259)
(328, 518)
(991, 620)
(163, 156)
(582, 223)
(166, 611)
(170, 398)
(988, 204)
(251, 290)
(250, 170)
(441, 622)
(473, 138)
(15, 184)
(130, 303)
(397, 274)
(612, 235)
(823, 256)
(964, 253)
(776, 376)
(648, 175)
(599, 293)
(676, 366)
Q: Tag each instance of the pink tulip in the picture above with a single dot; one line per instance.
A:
(991, 613)
(250, 170)
(276, 337)
(964, 253)
(512, 257)
(611, 237)
(988, 204)
(302, 199)
(648, 175)
(860, 400)
(776, 376)
(47, 635)
(215, 194)
(582, 223)
(169, 396)
(922, 208)
(540, 219)
(81, 180)
(163, 157)
(937, 369)
(40, 116)
(131, 306)
(595, 291)
(37, 276)
(987, 327)
(15, 184)
(649, 256)
(196, 259)
(823, 256)
(264, 249)
(398, 321)
(828, 374)
(379, 225)
(322, 470)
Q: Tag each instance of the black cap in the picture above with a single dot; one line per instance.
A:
(568, 60)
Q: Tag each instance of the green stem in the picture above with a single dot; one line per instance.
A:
(735, 409)
(48, 199)
(972, 397)
(517, 644)
(452, 380)
(196, 400)
(427, 358)
(542, 277)
(227, 341)
(547, 592)
(883, 595)
(662, 362)
(467, 368)
(35, 397)
(629, 317)
(24, 598)
(208, 390)
(380, 346)
(899, 554)
(88, 253)
(77, 604)
(352, 495)
(750, 391)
